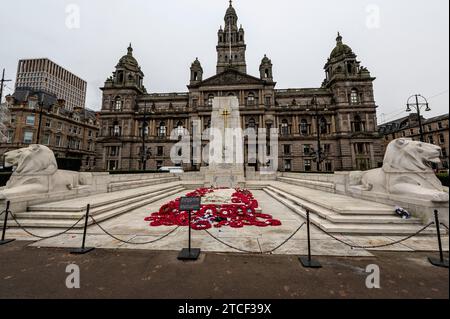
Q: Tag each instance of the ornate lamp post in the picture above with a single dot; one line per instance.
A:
(319, 154)
(418, 102)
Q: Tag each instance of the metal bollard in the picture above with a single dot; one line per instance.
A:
(307, 262)
(83, 250)
(441, 262)
(5, 224)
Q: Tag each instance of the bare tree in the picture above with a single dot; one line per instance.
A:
(4, 119)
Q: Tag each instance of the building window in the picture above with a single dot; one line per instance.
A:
(304, 127)
(30, 120)
(28, 137)
(307, 165)
(287, 165)
(159, 164)
(12, 119)
(360, 149)
(444, 152)
(440, 125)
(358, 124)
(328, 166)
(354, 97)
(46, 139)
(48, 123)
(210, 99)
(160, 151)
(117, 130)
(251, 124)
(10, 137)
(251, 99)
(324, 127)
(113, 165)
(285, 128)
(327, 148)
(287, 149)
(58, 140)
(162, 129)
(441, 139)
(180, 129)
(268, 101)
(118, 103)
(430, 139)
(306, 150)
(114, 151)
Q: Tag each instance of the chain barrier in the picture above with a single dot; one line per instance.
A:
(442, 224)
(256, 252)
(378, 246)
(129, 242)
(2, 213)
(44, 237)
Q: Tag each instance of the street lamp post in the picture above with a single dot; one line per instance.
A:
(38, 135)
(144, 151)
(319, 147)
(418, 105)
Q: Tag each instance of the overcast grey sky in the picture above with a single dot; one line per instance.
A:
(404, 43)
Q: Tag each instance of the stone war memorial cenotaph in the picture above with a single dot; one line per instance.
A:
(226, 148)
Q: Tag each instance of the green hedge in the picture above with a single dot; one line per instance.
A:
(444, 179)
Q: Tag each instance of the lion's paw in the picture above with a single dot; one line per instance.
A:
(440, 197)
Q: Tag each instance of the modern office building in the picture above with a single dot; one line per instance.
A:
(45, 75)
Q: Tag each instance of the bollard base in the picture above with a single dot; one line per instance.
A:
(189, 255)
(81, 251)
(309, 263)
(438, 262)
(6, 241)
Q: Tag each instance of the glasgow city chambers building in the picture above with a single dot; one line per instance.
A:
(340, 115)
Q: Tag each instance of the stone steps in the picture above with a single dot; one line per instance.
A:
(323, 186)
(66, 217)
(118, 186)
(369, 208)
(332, 222)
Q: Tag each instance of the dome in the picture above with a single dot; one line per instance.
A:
(340, 49)
(231, 10)
(128, 61)
(266, 60)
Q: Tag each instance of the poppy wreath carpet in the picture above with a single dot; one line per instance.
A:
(241, 212)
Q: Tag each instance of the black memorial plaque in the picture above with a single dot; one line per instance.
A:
(189, 204)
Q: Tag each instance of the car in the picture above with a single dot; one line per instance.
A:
(171, 169)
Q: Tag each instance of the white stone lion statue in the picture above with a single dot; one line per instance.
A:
(406, 171)
(37, 172)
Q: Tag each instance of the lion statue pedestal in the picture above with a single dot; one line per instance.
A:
(37, 173)
(406, 179)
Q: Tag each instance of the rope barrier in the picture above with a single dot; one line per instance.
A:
(2, 213)
(445, 226)
(256, 252)
(378, 246)
(129, 242)
(44, 237)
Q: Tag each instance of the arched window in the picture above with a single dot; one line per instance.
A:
(162, 130)
(251, 123)
(285, 128)
(231, 94)
(354, 97)
(323, 124)
(180, 129)
(210, 99)
(358, 124)
(118, 103)
(304, 127)
(266, 73)
(117, 130)
(195, 76)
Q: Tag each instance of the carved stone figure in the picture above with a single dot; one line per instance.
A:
(406, 172)
(37, 173)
